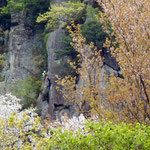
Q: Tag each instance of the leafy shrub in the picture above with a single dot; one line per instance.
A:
(68, 50)
(28, 91)
(102, 136)
(93, 32)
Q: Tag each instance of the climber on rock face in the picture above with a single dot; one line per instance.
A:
(45, 76)
(48, 81)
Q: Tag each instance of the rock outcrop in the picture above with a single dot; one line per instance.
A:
(54, 43)
(43, 99)
(19, 60)
(20, 46)
(57, 105)
(55, 99)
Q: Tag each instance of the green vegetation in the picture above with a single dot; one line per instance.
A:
(31, 9)
(68, 49)
(65, 13)
(104, 137)
(95, 136)
(93, 32)
(28, 91)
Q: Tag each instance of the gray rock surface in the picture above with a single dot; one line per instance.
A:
(19, 60)
(54, 43)
(43, 98)
(57, 105)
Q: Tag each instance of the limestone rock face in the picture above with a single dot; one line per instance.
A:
(19, 59)
(57, 106)
(54, 43)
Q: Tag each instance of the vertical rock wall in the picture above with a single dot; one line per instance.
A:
(19, 59)
(54, 43)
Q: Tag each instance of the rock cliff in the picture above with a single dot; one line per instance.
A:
(56, 102)
(19, 64)
(19, 59)
(53, 44)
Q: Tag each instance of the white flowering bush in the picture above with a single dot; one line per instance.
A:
(73, 124)
(16, 126)
(22, 129)
(8, 105)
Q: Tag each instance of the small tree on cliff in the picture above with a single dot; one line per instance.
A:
(62, 14)
(88, 67)
(130, 21)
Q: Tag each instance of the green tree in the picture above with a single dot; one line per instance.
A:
(93, 31)
(65, 13)
(31, 9)
(130, 21)
(4, 16)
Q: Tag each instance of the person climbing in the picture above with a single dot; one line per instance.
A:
(44, 74)
(49, 81)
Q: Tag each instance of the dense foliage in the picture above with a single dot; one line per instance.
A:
(102, 136)
(62, 14)
(93, 31)
(30, 8)
(28, 91)
(130, 21)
